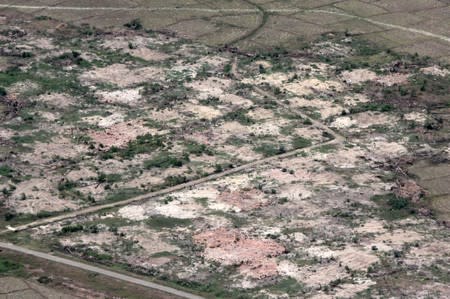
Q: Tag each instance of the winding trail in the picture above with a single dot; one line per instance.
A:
(99, 270)
(258, 9)
(258, 28)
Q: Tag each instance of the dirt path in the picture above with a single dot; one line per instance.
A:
(234, 10)
(409, 29)
(150, 195)
(99, 270)
(254, 31)
(338, 139)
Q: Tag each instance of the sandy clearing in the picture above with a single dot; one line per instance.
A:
(236, 100)
(243, 200)
(120, 134)
(358, 76)
(393, 79)
(121, 75)
(356, 259)
(382, 149)
(325, 108)
(81, 174)
(313, 276)
(418, 117)
(135, 213)
(393, 240)
(40, 195)
(211, 87)
(57, 147)
(313, 85)
(104, 121)
(57, 100)
(429, 253)
(231, 247)
(435, 70)
(130, 97)
(203, 112)
(364, 120)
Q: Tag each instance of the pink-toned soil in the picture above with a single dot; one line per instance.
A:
(231, 247)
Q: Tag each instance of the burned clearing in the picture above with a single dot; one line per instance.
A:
(341, 151)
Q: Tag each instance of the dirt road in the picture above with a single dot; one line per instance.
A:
(101, 271)
(257, 10)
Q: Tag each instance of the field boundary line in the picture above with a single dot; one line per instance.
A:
(235, 10)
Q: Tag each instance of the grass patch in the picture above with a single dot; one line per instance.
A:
(392, 207)
(326, 149)
(142, 144)
(300, 142)
(197, 149)
(164, 160)
(162, 222)
(40, 136)
(123, 194)
(287, 285)
(7, 265)
(240, 116)
(6, 171)
(270, 149)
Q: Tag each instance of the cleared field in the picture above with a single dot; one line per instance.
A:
(253, 25)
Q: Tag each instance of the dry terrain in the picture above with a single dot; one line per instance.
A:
(412, 26)
(320, 172)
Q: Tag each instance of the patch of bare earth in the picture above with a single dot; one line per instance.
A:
(58, 147)
(324, 107)
(124, 96)
(358, 76)
(435, 71)
(244, 200)
(120, 134)
(57, 100)
(121, 75)
(231, 247)
(37, 195)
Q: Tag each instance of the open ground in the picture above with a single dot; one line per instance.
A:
(247, 171)
(413, 26)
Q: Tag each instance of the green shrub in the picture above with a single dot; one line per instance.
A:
(71, 228)
(7, 265)
(142, 144)
(240, 116)
(163, 160)
(161, 222)
(269, 149)
(6, 171)
(108, 178)
(392, 207)
(174, 180)
(197, 149)
(123, 194)
(300, 142)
